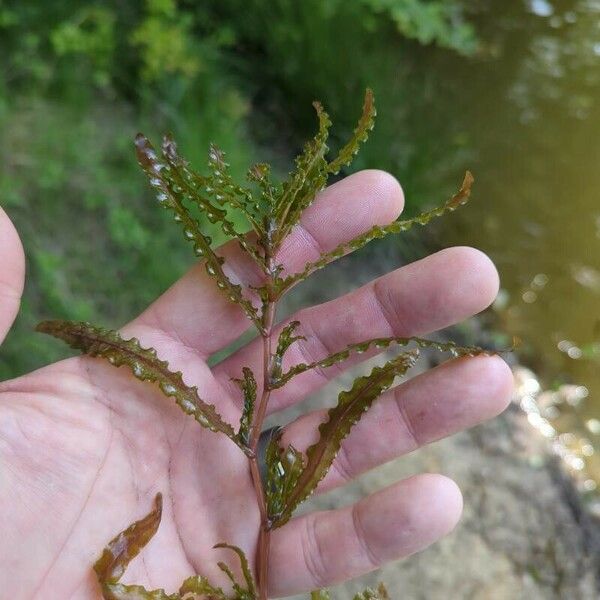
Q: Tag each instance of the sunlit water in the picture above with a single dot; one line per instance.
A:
(536, 211)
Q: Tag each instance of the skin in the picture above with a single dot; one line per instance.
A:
(84, 446)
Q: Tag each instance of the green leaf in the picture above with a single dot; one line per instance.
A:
(337, 357)
(361, 133)
(143, 363)
(176, 183)
(350, 407)
(309, 177)
(225, 191)
(171, 199)
(284, 468)
(260, 174)
(248, 387)
(286, 339)
(377, 232)
(120, 551)
(249, 591)
(123, 548)
(320, 595)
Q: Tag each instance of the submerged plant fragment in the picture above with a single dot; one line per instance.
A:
(271, 211)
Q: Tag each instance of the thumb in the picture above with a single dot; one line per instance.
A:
(12, 273)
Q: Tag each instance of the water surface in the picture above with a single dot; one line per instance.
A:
(534, 126)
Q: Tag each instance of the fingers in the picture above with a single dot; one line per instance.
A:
(454, 396)
(325, 548)
(12, 273)
(427, 295)
(198, 315)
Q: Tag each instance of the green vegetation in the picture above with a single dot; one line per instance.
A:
(78, 80)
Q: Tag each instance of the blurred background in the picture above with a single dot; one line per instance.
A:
(506, 89)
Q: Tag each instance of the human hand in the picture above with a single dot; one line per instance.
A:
(84, 447)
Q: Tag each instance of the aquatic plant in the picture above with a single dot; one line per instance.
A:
(282, 477)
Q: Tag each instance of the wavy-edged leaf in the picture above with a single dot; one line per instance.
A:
(341, 418)
(171, 199)
(225, 191)
(380, 593)
(111, 566)
(260, 173)
(143, 363)
(120, 551)
(286, 339)
(242, 593)
(171, 176)
(308, 178)
(124, 547)
(283, 469)
(377, 232)
(360, 135)
(248, 386)
(220, 186)
(177, 183)
(337, 357)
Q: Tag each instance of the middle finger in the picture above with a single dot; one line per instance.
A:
(427, 295)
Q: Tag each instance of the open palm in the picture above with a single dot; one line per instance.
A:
(84, 447)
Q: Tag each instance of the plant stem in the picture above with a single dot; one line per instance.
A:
(264, 536)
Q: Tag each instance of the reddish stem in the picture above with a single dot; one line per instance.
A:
(264, 537)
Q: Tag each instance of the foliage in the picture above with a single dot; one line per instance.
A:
(90, 33)
(165, 42)
(340, 420)
(75, 171)
(333, 50)
(77, 79)
(143, 363)
(441, 22)
(66, 131)
(271, 211)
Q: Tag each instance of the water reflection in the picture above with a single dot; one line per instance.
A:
(554, 414)
(534, 130)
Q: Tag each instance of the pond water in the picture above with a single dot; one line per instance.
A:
(535, 130)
